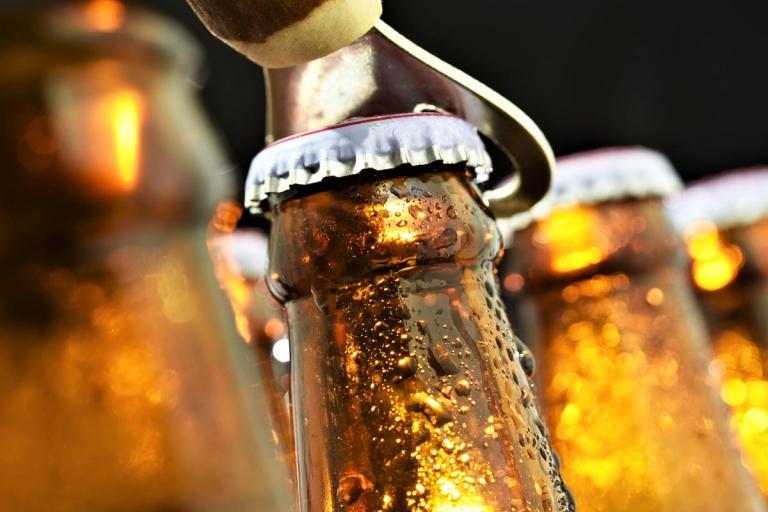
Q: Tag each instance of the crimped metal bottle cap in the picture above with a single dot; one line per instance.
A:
(736, 198)
(374, 143)
(609, 174)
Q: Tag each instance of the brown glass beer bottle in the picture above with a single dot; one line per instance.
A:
(122, 385)
(408, 387)
(725, 224)
(622, 350)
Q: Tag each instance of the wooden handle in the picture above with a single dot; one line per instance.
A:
(282, 33)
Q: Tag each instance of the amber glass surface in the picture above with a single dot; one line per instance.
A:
(730, 271)
(122, 386)
(408, 387)
(623, 359)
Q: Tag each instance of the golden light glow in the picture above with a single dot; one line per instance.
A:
(514, 282)
(174, 290)
(240, 294)
(464, 504)
(105, 15)
(228, 214)
(715, 263)
(624, 409)
(257, 316)
(655, 297)
(274, 328)
(113, 407)
(111, 122)
(743, 367)
(448, 470)
(134, 384)
(238, 289)
(450, 475)
(125, 109)
(571, 237)
(400, 223)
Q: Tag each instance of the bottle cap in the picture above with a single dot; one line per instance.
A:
(599, 176)
(736, 198)
(372, 143)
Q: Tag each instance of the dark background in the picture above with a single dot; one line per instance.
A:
(687, 78)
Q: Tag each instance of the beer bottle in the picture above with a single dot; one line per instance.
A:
(408, 386)
(122, 386)
(725, 223)
(621, 347)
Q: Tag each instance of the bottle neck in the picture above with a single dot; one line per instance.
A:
(729, 271)
(574, 243)
(406, 378)
(337, 237)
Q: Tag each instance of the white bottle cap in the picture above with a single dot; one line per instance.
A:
(592, 177)
(375, 143)
(736, 198)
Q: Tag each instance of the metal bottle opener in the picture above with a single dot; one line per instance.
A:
(385, 73)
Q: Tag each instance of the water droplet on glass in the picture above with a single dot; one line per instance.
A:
(399, 190)
(525, 398)
(416, 212)
(463, 388)
(350, 488)
(406, 366)
(527, 360)
(437, 412)
(441, 360)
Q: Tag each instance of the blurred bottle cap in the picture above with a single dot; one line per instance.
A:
(592, 177)
(732, 199)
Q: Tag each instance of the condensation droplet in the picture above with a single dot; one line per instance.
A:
(406, 366)
(351, 487)
(463, 388)
(441, 361)
(399, 190)
(437, 412)
(527, 360)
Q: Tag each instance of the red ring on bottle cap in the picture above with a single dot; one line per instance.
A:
(373, 143)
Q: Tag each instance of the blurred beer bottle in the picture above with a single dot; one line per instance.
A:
(621, 348)
(240, 264)
(725, 223)
(122, 387)
(407, 383)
